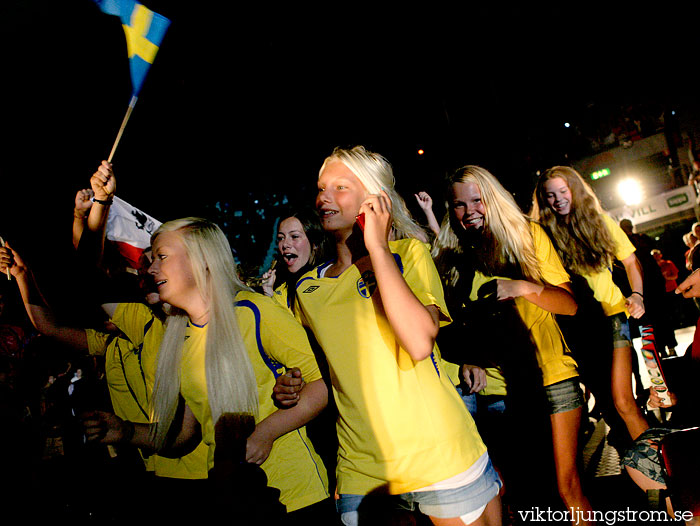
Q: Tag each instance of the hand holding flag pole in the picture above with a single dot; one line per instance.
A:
(144, 31)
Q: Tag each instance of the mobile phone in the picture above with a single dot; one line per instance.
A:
(360, 219)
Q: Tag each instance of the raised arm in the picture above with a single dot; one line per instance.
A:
(415, 325)
(80, 213)
(38, 311)
(103, 185)
(426, 204)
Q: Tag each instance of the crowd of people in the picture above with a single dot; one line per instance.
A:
(377, 373)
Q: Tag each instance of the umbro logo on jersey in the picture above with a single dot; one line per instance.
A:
(310, 289)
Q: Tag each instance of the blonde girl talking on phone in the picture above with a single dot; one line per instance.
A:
(375, 310)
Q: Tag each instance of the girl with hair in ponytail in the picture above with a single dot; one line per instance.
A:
(588, 241)
(485, 238)
(222, 348)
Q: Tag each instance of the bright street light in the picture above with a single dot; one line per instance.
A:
(630, 191)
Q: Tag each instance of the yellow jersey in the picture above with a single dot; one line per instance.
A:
(144, 330)
(274, 341)
(402, 425)
(553, 355)
(604, 289)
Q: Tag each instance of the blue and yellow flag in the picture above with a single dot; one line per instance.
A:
(144, 32)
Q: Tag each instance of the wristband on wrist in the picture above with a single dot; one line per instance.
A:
(105, 202)
(639, 293)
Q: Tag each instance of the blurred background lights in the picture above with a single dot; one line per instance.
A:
(599, 174)
(421, 151)
(567, 125)
(630, 191)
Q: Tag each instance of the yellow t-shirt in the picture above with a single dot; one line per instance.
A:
(125, 378)
(274, 340)
(145, 332)
(553, 355)
(604, 289)
(495, 383)
(402, 425)
(451, 369)
(280, 296)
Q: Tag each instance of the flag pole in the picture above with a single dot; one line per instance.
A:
(132, 103)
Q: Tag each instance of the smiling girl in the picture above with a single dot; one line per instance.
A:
(375, 311)
(588, 241)
(301, 244)
(485, 237)
(293, 244)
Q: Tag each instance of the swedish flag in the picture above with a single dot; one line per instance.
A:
(144, 32)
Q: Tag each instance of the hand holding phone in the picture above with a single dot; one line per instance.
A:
(360, 219)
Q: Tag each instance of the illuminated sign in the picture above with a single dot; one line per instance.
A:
(657, 207)
(600, 174)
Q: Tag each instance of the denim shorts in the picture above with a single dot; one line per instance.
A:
(564, 396)
(621, 330)
(644, 455)
(447, 503)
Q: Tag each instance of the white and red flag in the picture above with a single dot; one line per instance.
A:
(130, 229)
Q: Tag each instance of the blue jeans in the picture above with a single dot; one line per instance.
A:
(475, 402)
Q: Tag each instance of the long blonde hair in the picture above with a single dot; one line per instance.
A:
(506, 232)
(375, 174)
(582, 240)
(231, 384)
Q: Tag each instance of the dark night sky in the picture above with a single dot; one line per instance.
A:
(253, 98)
